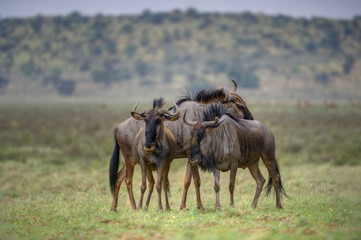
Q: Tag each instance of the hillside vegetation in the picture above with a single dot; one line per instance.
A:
(97, 56)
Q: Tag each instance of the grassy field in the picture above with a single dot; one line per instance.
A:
(54, 162)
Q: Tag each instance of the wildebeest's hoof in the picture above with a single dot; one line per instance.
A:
(201, 208)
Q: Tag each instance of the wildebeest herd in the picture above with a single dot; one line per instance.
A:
(213, 129)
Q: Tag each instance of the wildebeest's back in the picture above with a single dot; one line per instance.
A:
(241, 142)
(126, 132)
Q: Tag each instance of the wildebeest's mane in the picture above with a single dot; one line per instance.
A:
(214, 110)
(217, 110)
(203, 96)
(158, 103)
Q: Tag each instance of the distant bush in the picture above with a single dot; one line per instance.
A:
(85, 66)
(155, 18)
(218, 65)
(127, 28)
(245, 40)
(101, 75)
(175, 16)
(348, 64)
(130, 50)
(37, 24)
(96, 50)
(167, 38)
(66, 87)
(144, 41)
(167, 76)
(192, 12)
(310, 46)
(243, 77)
(187, 33)
(30, 68)
(53, 77)
(332, 40)
(125, 73)
(142, 68)
(322, 78)
(3, 83)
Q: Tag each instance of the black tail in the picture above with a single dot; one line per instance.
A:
(113, 166)
(269, 184)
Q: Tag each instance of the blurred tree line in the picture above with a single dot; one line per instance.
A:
(200, 48)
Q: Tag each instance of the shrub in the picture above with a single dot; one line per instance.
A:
(3, 84)
(243, 77)
(66, 87)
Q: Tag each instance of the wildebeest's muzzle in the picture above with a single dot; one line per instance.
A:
(196, 159)
(149, 149)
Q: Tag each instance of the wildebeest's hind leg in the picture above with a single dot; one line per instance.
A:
(166, 186)
(129, 181)
(232, 180)
(217, 175)
(187, 182)
(150, 186)
(197, 184)
(144, 184)
(257, 175)
(270, 163)
(120, 178)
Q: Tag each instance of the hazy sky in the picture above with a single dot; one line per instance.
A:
(345, 9)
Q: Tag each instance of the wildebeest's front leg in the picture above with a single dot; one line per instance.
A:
(159, 186)
(217, 175)
(187, 182)
(144, 184)
(197, 184)
(257, 175)
(150, 186)
(166, 186)
(232, 180)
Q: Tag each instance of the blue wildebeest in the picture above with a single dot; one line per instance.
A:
(154, 148)
(222, 142)
(126, 132)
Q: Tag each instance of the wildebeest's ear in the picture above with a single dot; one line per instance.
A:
(138, 116)
(170, 118)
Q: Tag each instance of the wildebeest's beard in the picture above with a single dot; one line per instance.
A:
(153, 133)
(195, 150)
(197, 158)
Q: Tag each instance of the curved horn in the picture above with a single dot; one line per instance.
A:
(226, 98)
(135, 107)
(165, 111)
(229, 97)
(188, 123)
(209, 123)
(235, 86)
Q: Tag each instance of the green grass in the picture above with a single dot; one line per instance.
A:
(54, 180)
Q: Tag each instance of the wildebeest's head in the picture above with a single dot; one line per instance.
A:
(236, 105)
(153, 119)
(199, 130)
